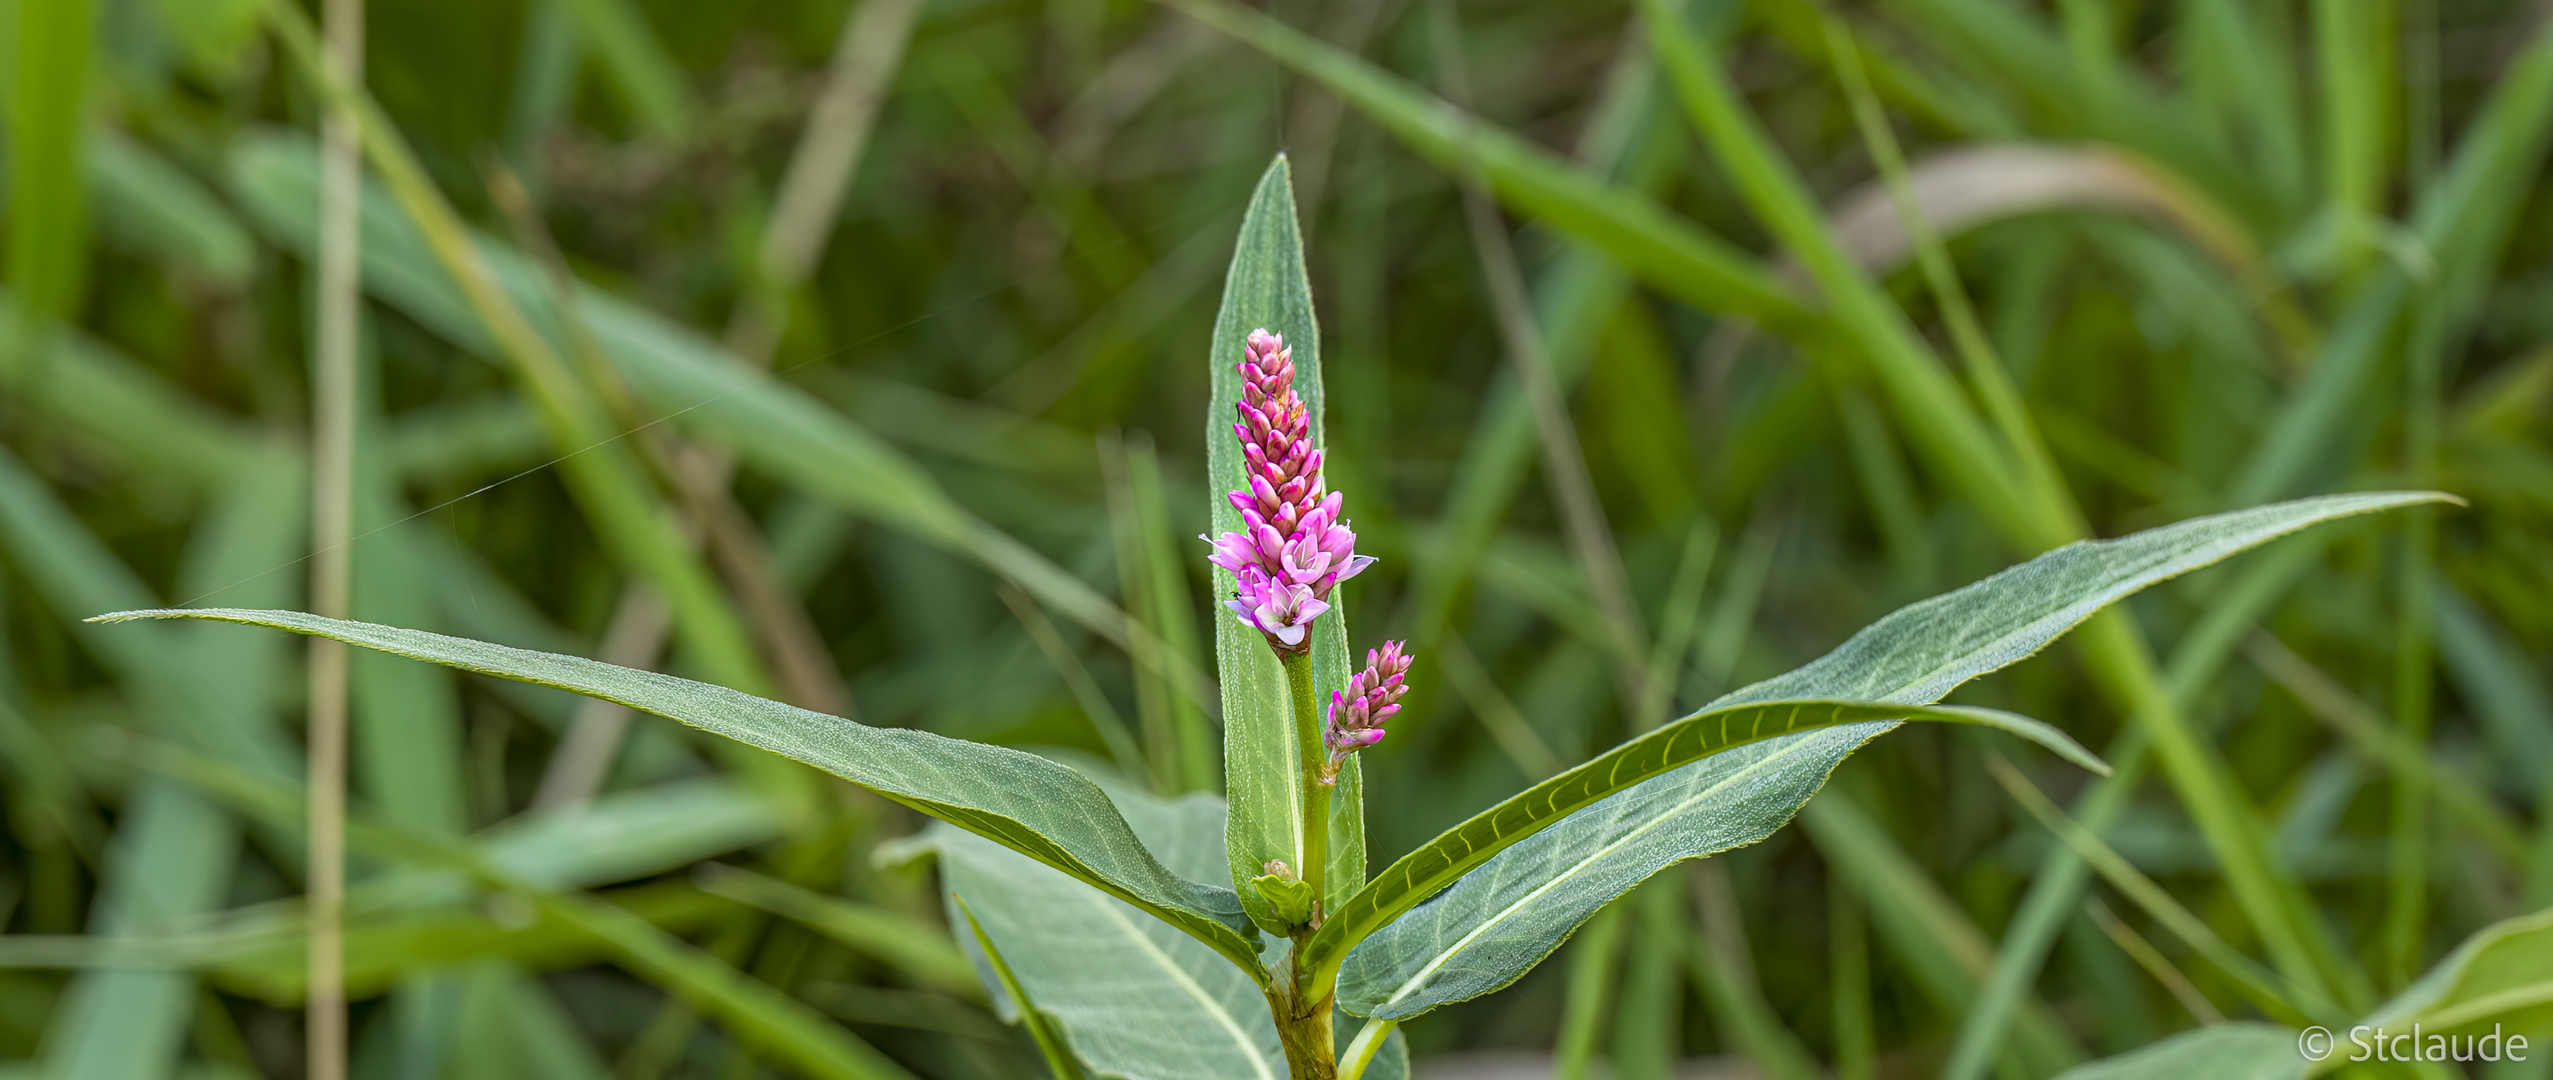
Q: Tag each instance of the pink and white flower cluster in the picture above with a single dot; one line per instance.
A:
(1293, 547)
(1357, 714)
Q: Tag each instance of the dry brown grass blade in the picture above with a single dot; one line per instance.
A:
(583, 760)
(1969, 187)
(1972, 186)
(332, 498)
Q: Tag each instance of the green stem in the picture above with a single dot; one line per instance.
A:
(1303, 1009)
(1360, 1053)
(1312, 756)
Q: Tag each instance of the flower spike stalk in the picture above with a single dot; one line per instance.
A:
(1293, 547)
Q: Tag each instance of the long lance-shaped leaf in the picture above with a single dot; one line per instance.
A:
(1263, 774)
(1026, 803)
(1667, 251)
(1465, 847)
(1913, 656)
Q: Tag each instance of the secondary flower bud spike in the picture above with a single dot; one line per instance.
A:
(1294, 546)
(1357, 714)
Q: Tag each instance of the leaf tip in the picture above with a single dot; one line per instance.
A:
(130, 616)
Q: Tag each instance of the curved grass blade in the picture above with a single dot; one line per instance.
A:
(1466, 847)
(1914, 655)
(1027, 803)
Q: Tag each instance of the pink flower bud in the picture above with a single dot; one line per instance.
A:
(1357, 714)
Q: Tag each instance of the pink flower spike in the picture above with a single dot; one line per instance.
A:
(1294, 546)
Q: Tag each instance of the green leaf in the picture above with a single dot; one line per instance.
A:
(2499, 979)
(383, 951)
(2503, 974)
(2242, 1051)
(1035, 806)
(174, 854)
(633, 834)
(121, 410)
(1263, 775)
(1936, 943)
(1519, 886)
(2463, 219)
(1912, 656)
(1132, 998)
(509, 1027)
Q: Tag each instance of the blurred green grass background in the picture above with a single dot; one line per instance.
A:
(1639, 418)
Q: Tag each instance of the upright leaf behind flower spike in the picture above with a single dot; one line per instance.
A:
(1266, 288)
